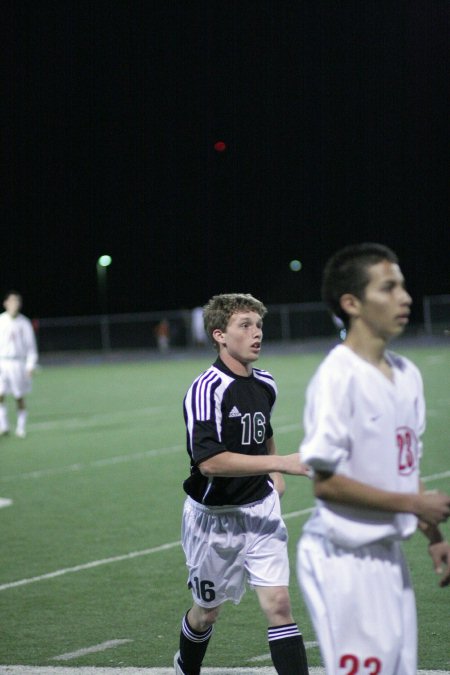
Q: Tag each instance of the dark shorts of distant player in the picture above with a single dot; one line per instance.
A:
(227, 547)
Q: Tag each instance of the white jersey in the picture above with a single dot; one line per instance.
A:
(360, 424)
(17, 341)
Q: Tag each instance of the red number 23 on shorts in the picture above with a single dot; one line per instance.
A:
(371, 665)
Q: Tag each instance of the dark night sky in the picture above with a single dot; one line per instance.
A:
(336, 119)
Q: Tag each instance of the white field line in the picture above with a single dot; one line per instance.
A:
(114, 559)
(121, 459)
(118, 459)
(294, 514)
(64, 670)
(110, 418)
(89, 565)
(4, 501)
(267, 657)
(107, 461)
(46, 670)
(435, 476)
(148, 551)
(109, 644)
(136, 456)
(85, 421)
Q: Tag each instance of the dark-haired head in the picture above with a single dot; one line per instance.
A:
(347, 272)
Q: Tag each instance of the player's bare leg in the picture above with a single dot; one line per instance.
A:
(4, 424)
(285, 640)
(196, 630)
(21, 418)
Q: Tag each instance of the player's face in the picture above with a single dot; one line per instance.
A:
(386, 305)
(13, 304)
(242, 338)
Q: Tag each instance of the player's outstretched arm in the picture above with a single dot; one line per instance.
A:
(432, 508)
(233, 465)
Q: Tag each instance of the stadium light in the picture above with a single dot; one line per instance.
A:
(295, 265)
(103, 263)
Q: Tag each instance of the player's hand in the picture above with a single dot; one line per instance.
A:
(294, 466)
(440, 555)
(434, 507)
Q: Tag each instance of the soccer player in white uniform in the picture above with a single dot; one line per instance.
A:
(18, 359)
(364, 418)
(232, 530)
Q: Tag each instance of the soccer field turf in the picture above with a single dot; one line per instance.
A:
(90, 543)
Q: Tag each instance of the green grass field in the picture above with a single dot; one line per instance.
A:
(99, 477)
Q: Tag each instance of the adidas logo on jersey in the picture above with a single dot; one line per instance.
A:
(234, 412)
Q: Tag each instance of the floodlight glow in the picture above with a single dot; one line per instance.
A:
(295, 265)
(104, 261)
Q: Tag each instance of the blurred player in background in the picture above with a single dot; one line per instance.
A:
(232, 528)
(18, 359)
(162, 334)
(198, 333)
(364, 418)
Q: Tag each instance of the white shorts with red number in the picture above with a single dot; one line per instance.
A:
(14, 378)
(227, 546)
(362, 606)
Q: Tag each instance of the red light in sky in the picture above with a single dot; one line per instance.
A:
(220, 146)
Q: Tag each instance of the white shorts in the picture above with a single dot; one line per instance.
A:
(362, 606)
(14, 378)
(227, 546)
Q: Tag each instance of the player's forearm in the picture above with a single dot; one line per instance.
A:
(233, 465)
(429, 507)
(344, 490)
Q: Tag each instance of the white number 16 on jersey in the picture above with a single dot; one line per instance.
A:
(253, 428)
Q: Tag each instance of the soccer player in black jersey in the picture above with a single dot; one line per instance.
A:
(232, 528)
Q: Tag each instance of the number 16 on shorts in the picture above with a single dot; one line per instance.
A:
(204, 590)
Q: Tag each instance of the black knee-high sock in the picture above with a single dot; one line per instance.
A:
(193, 647)
(287, 650)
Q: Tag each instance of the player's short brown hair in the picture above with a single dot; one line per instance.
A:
(218, 311)
(347, 272)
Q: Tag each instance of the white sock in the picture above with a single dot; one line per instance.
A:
(4, 425)
(21, 420)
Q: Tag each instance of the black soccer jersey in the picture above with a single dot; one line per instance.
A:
(224, 411)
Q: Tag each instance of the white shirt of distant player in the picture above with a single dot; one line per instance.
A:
(17, 340)
(360, 424)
